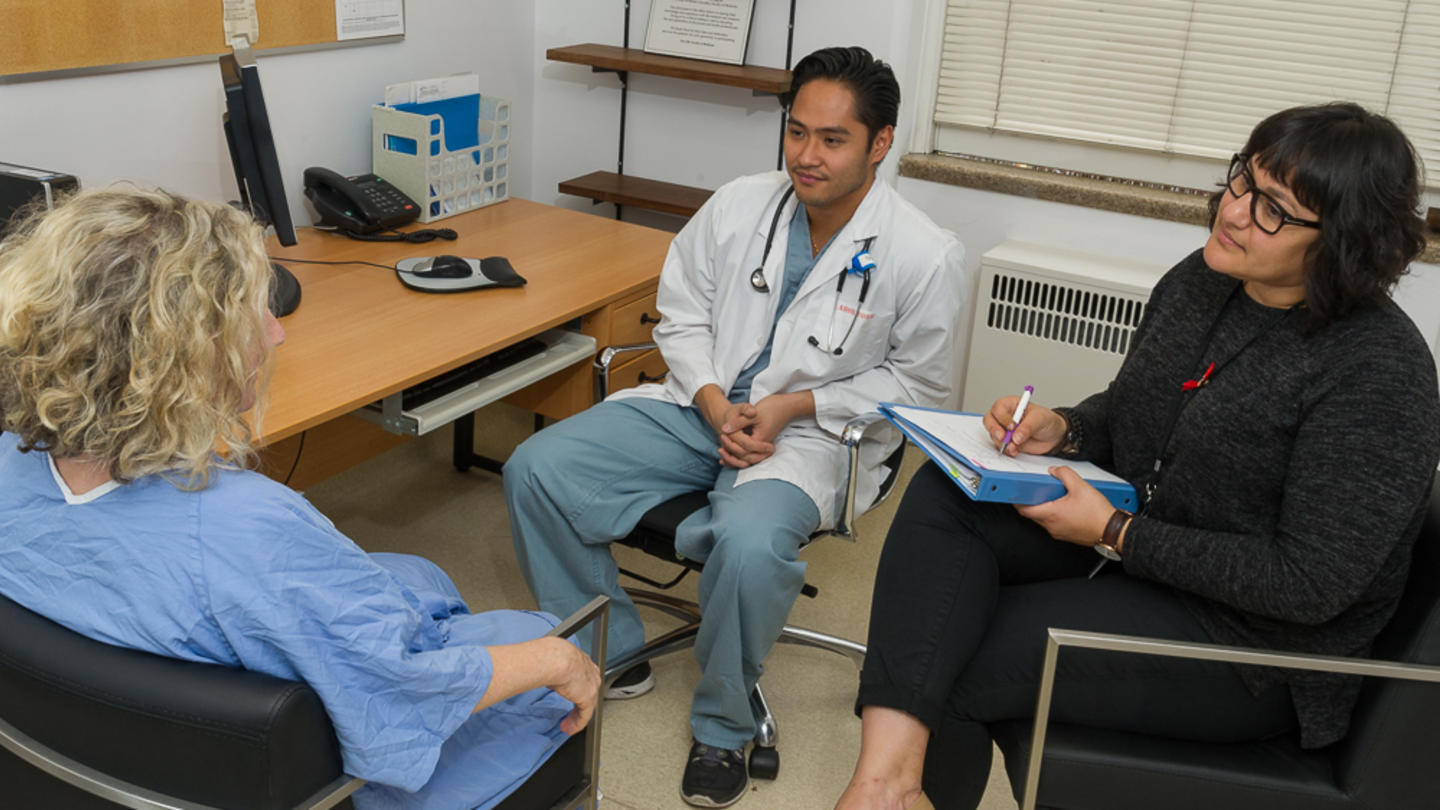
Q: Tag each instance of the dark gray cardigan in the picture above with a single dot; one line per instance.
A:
(1294, 481)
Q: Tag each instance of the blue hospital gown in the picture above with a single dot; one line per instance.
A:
(248, 573)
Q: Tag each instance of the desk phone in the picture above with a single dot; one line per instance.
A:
(361, 204)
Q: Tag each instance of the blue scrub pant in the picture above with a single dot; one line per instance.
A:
(583, 482)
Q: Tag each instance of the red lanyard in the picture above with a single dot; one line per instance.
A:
(1190, 387)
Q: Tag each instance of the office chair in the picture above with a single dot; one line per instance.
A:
(1387, 761)
(655, 536)
(85, 724)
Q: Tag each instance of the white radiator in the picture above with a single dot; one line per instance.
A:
(1057, 319)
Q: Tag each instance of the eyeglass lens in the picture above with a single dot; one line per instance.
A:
(1264, 210)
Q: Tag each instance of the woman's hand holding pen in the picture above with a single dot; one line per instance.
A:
(1081, 514)
(1040, 431)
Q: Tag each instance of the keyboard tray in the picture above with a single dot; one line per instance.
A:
(563, 349)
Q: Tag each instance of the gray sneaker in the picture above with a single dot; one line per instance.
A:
(714, 777)
(632, 683)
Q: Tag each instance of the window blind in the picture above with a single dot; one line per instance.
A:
(1187, 78)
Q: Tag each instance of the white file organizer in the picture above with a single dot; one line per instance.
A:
(443, 182)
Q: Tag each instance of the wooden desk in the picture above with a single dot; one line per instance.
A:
(359, 335)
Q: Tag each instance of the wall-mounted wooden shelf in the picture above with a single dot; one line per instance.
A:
(634, 60)
(624, 189)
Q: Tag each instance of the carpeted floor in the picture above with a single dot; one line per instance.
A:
(411, 499)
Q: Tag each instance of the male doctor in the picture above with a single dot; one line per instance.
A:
(791, 302)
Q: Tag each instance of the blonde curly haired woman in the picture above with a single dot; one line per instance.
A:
(134, 334)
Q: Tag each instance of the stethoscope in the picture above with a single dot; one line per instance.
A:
(757, 278)
(860, 264)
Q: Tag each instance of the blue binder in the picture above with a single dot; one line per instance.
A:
(981, 482)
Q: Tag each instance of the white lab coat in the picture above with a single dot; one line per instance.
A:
(714, 323)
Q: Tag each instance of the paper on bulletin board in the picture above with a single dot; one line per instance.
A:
(242, 25)
(359, 19)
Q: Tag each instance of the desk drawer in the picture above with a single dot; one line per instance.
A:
(647, 367)
(633, 322)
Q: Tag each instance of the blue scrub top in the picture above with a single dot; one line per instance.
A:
(247, 573)
(798, 263)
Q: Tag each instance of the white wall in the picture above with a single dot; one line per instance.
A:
(679, 131)
(703, 135)
(162, 126)
(983, 219)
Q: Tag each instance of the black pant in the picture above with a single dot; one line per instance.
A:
(963, 596)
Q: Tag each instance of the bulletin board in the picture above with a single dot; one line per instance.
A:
(39, 36)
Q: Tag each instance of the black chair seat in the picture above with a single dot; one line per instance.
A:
(1097, 769)
(1386, 762)
(201, 732)
(197, 732)
(655, 533)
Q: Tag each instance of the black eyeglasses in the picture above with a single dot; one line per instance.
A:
(1265, 211)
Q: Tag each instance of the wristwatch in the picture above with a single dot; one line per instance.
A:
(1074, 433)
(1109, 545)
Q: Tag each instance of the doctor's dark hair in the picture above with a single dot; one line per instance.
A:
(871, 82)
(1360, 174)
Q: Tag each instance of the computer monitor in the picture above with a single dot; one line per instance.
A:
(257, 168)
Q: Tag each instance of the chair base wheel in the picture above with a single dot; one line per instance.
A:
(764, 763)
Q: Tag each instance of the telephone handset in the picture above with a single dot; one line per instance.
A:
(361, 204)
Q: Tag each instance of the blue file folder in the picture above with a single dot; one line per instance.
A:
(959, 443)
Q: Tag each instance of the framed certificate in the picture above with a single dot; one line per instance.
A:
(714, 30)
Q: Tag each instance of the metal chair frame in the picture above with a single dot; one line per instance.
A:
(1177, 649)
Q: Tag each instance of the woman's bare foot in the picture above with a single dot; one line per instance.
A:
(873, 794)
(892, 757)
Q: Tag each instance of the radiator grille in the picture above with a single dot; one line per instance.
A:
(1063, 313)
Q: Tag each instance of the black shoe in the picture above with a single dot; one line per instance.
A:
(632, 683)
(714, 777)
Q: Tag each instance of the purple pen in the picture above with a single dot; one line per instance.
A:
(1019, 414)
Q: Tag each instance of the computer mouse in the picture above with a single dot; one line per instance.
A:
(446, 266)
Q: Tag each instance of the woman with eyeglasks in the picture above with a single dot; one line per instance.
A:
(1279, 417)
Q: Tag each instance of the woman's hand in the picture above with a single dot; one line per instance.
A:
(1078, 517)
(553, 663)
(1040, 431)
(578, 681)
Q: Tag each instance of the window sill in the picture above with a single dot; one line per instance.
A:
(1187, 206)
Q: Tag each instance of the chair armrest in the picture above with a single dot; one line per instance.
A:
(856, 428)
(850, 436)
(1185, 649)
(606, 359)
(596, 614)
